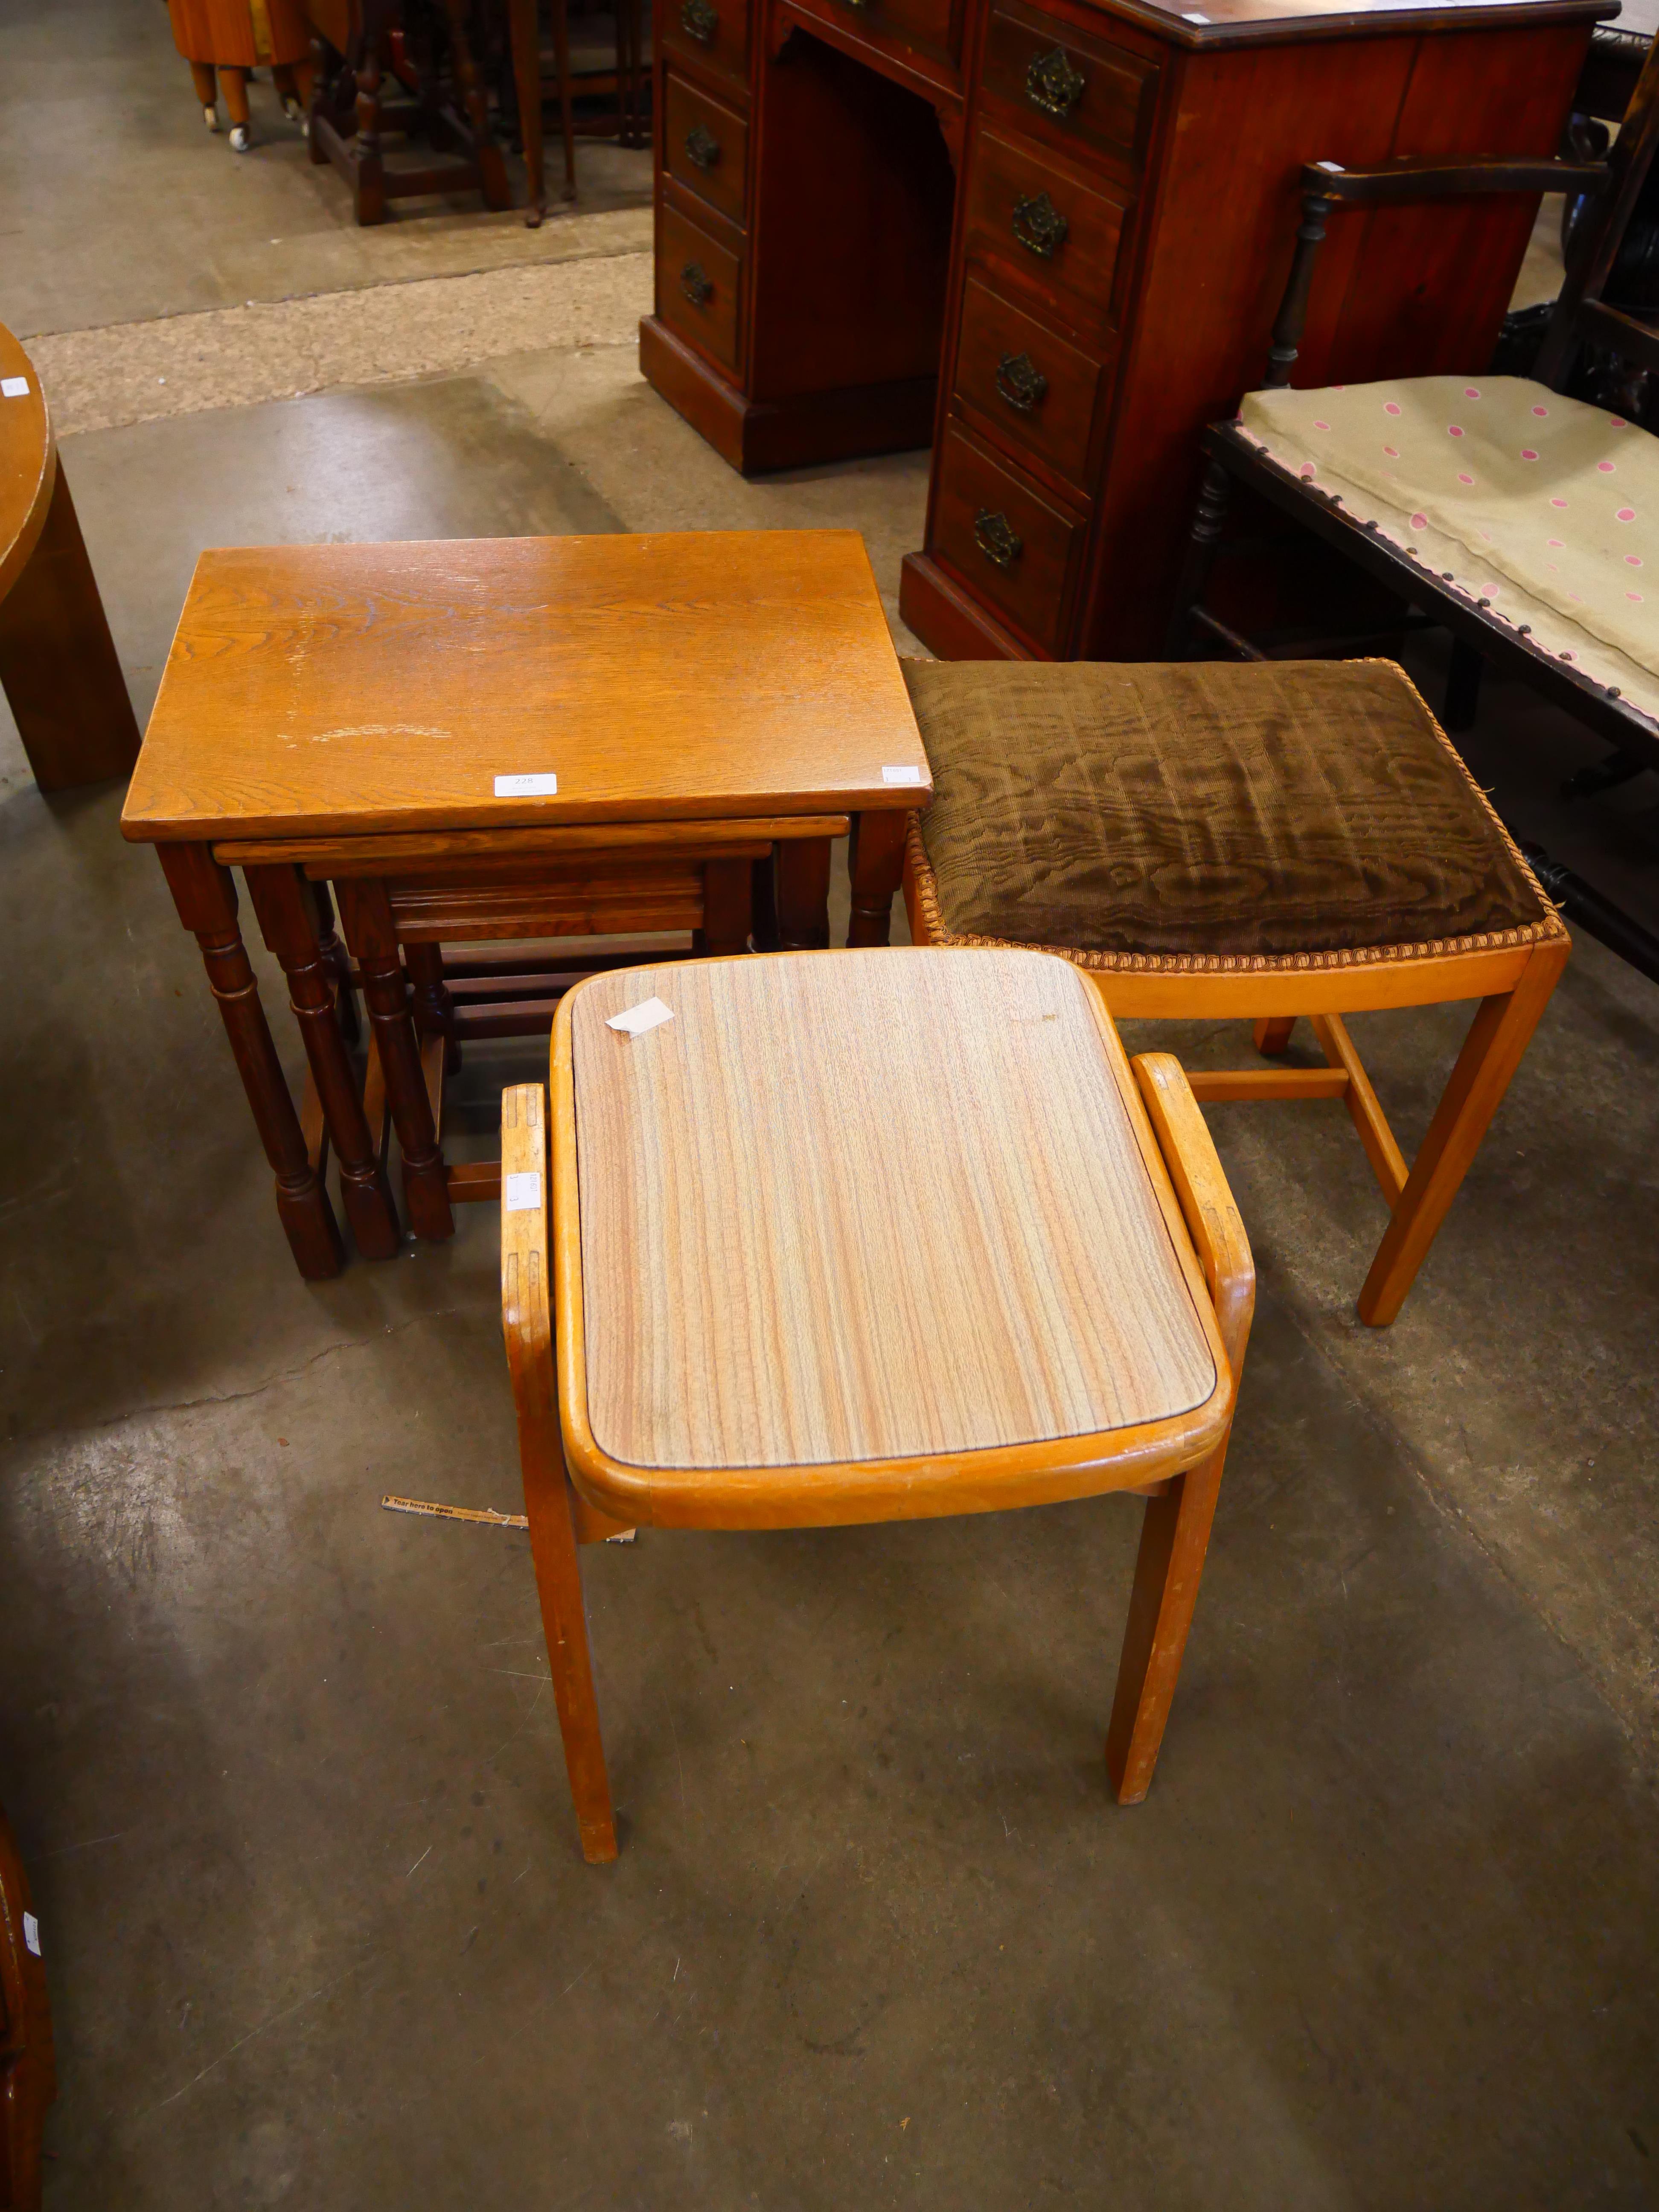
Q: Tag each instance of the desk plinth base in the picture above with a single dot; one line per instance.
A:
(951, 625)
(756, 436)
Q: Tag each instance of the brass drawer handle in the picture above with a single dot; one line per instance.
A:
(1038, 225)
(699, 20)
(1021, 382)
(703, 146)
(1053, 83)
(695, 284)
(997, 539)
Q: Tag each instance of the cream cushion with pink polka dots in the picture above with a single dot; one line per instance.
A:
(1545, 508)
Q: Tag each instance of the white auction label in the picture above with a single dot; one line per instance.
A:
(521, 1193)
(14, 387)
(32, 1933)
(901, 775)
(638, 1020)
(525, 786)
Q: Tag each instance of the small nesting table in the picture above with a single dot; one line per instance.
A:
(505, 739)
(866, 1237)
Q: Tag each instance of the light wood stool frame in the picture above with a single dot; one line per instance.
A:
(574, 1494)
(1511, 977)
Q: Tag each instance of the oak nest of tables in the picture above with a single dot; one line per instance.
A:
(866, 1237)
(526, 739)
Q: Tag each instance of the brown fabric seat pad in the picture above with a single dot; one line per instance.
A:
(1206, 808)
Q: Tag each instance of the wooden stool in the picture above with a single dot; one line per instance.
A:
(59, 664)
(868, 1235)
(1266, 841)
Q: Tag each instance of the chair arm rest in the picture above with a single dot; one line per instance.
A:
(1206, 1204)
(1605, 326)
(1428, 177)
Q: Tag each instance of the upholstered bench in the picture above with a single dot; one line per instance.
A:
(1267, 840)
(1524, 503)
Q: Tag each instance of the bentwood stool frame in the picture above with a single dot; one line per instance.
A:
(576, 1494)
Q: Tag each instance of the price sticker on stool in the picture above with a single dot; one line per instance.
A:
(638, 1020)
(522, 1193)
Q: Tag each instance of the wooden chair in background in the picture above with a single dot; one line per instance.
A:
(1262, 843)
(1520, 520)
(865, 1236)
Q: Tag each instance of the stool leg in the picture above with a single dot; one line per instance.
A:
(527, 1325)
(1273, 1034)
(372, 934)
(803, 894)
(1499, 1034)
(207, 91)
(206, 899)
(1174, 1537)
(288, 918)
(877, 861)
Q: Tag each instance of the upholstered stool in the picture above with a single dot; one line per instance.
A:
(1268, 840)
(865, 1236)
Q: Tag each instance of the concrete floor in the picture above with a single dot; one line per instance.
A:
(285, 1766)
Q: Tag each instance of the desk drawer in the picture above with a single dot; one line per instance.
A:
(705, 145)
(1096, 97)
(1012, 547)
(1053, 230)
(713, 34)
(924, 25)
(1039, 391)
(697, 281)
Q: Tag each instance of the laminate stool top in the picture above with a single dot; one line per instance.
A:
(484, 683)
(893, 1206)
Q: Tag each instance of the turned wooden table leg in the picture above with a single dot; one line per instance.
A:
(435, 1006)
(527, 82)
(486, 153)
(368, 169)
(288, 916)
(803, 894)
(206, 899)
(727, 905)
(366, 911)
(877, 861)
(59, 664)
(337, 961)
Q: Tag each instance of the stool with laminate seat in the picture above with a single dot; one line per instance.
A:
(1264, 842)
(865, 1236)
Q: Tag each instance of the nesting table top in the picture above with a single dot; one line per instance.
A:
(866, 1206)
(478, 682)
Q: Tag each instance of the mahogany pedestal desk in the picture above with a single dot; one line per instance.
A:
(1052, 240)
(520, 739)
(57, 661)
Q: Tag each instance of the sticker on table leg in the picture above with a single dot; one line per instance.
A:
(522, 1193)
(638, 1020)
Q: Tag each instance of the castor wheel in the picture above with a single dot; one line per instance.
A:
(211, 116)
(240, 138)
(293, 110)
